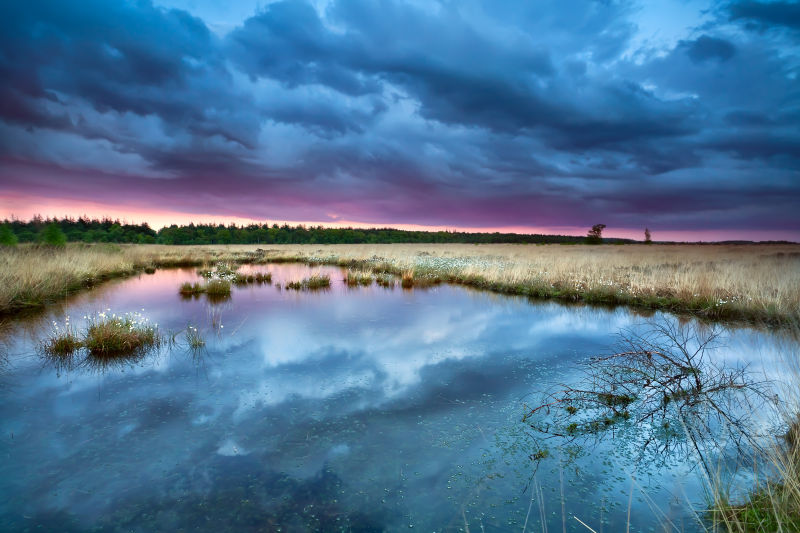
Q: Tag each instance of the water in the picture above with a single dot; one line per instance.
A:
(365, 409)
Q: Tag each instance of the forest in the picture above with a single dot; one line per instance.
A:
(53, 231)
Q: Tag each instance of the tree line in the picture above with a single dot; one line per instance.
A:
(60, 231)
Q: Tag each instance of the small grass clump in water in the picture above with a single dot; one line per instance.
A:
(191, 289)
(315, 282)
(120, 335)
(218, 288)
(258, 277)
(194, 338)
(63, 341)
(355, 278)
(263, 277)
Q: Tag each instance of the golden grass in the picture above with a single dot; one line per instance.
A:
(754, 282)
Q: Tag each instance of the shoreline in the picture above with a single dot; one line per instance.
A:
(34, 276)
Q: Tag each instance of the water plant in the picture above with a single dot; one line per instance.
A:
(315, 282)
(190, 289)
(355, 278)
(63, 340)
(254, 277)
(194, 339)
(218, 288)
(120, 335)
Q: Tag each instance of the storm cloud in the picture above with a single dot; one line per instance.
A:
(472, 114)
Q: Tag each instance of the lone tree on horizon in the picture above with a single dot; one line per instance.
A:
(647, 238)
(595, 235)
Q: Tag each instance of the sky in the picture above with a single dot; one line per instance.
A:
(520, 115)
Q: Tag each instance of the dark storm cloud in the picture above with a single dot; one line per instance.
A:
(765, 15)
(383, 111)
(704, 48)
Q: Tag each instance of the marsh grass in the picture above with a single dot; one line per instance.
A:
(315, 282)
(384, 280)
(63, 341)
(753, 283)
(194, 339)
(103, 336)
(218, 288)
(113, 336)
(191, 289)
(419, 278)
(756, 283)
(356, 278)
(255, 277)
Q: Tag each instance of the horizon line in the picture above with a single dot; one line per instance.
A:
(553, 231)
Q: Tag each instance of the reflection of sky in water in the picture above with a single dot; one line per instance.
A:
(347, 408)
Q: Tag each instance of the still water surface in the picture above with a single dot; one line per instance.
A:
(365, 409)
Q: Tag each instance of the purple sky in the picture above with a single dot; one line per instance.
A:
(680, 116)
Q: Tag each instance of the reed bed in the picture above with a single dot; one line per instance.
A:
(750, 282)
(743, 282)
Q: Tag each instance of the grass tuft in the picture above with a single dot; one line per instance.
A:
(118, 336)
(412, 278)
(63, 341)
(315, 282)
(194, 338)
(256, 277)
(191, 289)
(356, 278)
(219, 288)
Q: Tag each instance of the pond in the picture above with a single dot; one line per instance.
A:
(347, 409)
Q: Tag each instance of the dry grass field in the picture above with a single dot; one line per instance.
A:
(750, 282)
